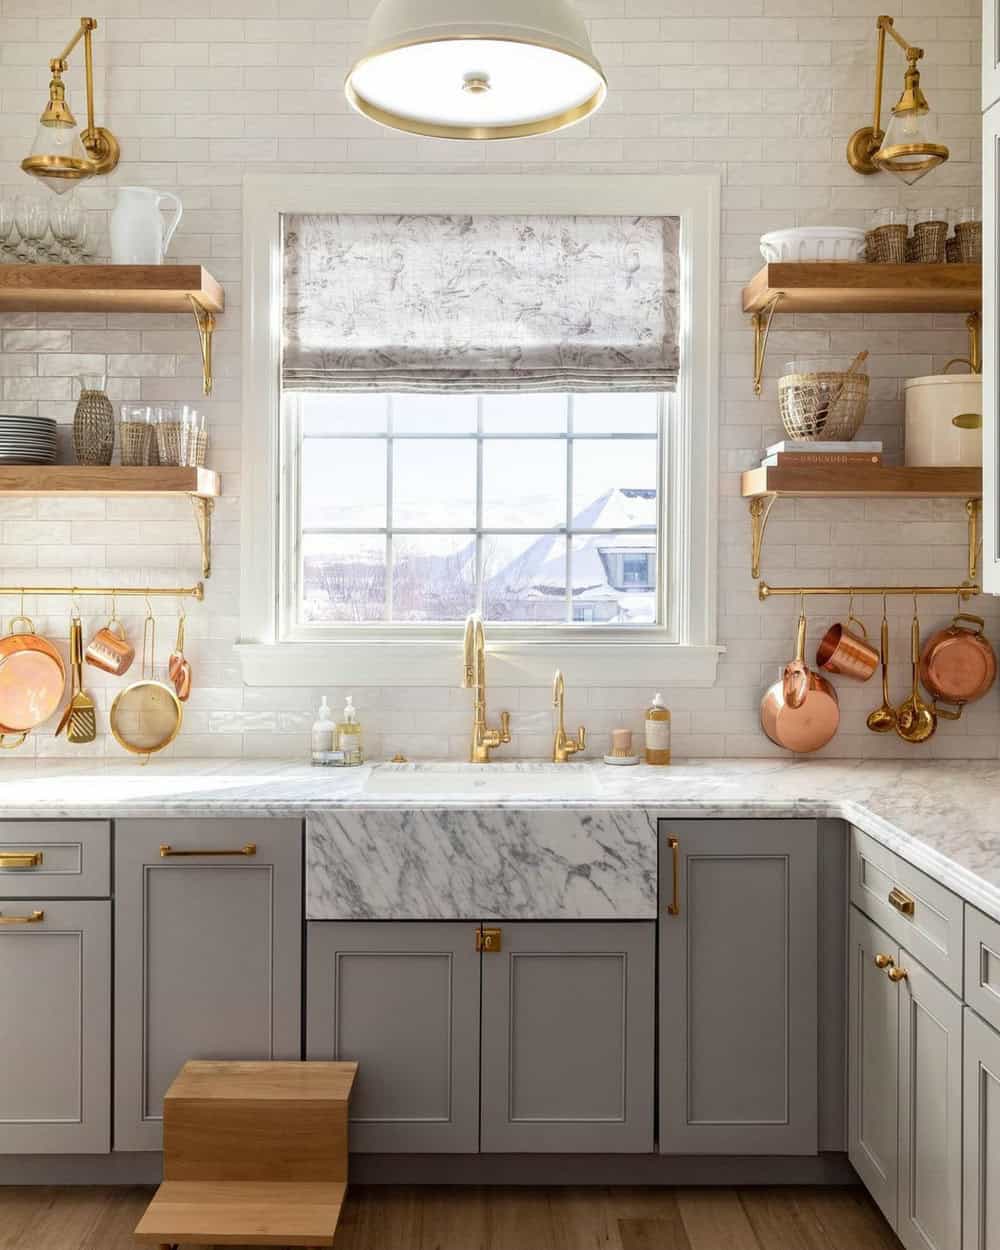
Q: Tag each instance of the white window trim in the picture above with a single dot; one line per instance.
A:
(681, 651)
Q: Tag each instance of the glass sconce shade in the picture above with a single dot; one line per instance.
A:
(909, 147)
(471, 69)
(58, 157)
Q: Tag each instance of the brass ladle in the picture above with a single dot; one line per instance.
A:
(915, 719)
(883, 719)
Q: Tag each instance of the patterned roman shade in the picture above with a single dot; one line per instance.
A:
(481, 303)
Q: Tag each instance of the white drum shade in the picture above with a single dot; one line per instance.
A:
(470, 69)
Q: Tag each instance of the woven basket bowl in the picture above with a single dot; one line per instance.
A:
(827, 406)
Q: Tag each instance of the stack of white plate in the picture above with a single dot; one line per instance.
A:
(27, 440)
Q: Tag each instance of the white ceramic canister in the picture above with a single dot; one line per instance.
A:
(138, 235)
(933, 404)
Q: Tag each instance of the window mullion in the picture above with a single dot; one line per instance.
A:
(479, 570)
(570, 451)
(389, 449)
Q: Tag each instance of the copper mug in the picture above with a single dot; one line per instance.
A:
(844, 651)
(110, 650)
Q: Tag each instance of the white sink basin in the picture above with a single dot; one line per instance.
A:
(497, 781)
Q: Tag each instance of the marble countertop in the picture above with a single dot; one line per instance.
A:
(943, 817)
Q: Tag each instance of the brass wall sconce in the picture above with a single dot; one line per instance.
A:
(908, 147)
(61, 155)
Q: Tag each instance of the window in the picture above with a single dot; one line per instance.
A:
(582, 524)
(531, 508)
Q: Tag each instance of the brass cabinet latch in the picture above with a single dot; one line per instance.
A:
(901, 901)
(489, 940)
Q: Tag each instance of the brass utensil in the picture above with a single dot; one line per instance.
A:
(178, 666)
(883, 719)
(81, 722)
(916, 720)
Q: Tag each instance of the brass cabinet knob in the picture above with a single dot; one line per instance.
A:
(897, 974)
(884, 961)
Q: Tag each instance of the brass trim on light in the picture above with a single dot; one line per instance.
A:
(441, 130)
(102, 148)
(20, 859)
(168, 852)
(864, 148)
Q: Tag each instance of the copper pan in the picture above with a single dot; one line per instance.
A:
(32, 681)
(958, 665)
(800, 712)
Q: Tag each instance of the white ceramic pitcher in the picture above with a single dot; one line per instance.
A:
(137, 232)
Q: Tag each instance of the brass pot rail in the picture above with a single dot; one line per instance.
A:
(965, 591)
(197, 591)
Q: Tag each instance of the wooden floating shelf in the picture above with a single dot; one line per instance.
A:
(859, 287)
(864, 481)
(79, 479)
(108, 288)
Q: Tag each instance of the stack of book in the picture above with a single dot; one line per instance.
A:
(800, 453)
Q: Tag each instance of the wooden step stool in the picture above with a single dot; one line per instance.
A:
(253, 1154)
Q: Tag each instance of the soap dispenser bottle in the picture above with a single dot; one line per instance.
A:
(657, 725)
(324, 734)
(349, 734)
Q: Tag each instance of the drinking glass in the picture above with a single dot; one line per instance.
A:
(32, 221)
(8, 235)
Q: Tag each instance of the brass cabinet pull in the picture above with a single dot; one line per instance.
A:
(884, 961)
(901, 901)
(34, 918)
(20, 859)
(167, 851)
(897, 974)
(489, 941)
(674, 907)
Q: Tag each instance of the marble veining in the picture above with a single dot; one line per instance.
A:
(942, 817)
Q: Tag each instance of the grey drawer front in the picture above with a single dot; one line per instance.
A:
(74, 859)
(932, 932)
(982, 965)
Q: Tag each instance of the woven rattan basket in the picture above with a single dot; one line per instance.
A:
(970, 241)
(928, 242)
(886, 245)
(827, 405)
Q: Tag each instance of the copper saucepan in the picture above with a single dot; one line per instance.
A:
(958, 665)
(32, 681)
(800, 712)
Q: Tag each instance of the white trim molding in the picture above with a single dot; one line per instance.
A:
(682, 650)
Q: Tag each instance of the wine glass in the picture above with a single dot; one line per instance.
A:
(8, 235)
(32, 222)
(66, 222)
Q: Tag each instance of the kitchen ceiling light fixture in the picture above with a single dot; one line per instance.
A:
(475, 69)
(61, 154)
(908, 147)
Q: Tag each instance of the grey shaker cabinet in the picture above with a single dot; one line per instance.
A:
(403, 998)
(905, 1109)
(568, 1027)
(981, 1200)
(738, 987)
(55, 1027)
(208, 954)
(873, 1064)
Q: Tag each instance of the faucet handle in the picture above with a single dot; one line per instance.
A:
(505, 726)
(581, 739)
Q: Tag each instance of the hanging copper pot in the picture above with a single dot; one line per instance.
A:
(958, 665)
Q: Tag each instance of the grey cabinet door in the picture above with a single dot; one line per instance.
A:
(208, 955)
(873, 1063)
(737, 987)
(568, 1026)
(981, 1200)
(402, 997)
(55, 1027)
(930, 1111)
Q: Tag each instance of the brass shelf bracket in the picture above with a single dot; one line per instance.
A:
(205, 321)
(204, 506)
(760, 510)
(761, 321)
(973, 508)
(967, 590)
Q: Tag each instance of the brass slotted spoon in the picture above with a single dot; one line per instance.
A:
(916, 720)
(883, 719)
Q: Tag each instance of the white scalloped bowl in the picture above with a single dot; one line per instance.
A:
(813, 243)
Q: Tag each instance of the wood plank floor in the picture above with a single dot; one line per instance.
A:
(432, 1218)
